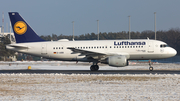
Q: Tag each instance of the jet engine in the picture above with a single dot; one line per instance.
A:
(118, 61)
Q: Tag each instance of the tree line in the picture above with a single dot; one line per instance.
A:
(4, 53)
(171, 37)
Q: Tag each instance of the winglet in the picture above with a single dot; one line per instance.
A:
(22, 31)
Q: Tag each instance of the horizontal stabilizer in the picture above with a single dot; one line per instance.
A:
(18, 46)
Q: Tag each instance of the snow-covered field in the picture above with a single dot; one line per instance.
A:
(57, 87)
(99, 87)
(59, 65)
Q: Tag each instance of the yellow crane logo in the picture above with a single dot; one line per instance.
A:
(20, 27)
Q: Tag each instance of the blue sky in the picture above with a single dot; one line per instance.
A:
(56, 16)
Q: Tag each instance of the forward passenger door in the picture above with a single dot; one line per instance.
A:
(150, 47)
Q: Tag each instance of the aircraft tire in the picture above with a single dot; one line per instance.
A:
(151, 68)
(94, 68)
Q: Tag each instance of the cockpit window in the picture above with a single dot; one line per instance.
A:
(164, 45)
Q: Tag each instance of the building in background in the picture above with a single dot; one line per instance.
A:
(9, 34)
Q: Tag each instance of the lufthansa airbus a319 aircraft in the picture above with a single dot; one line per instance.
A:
(115, 53)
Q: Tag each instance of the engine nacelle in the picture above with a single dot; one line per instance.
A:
(118, 61)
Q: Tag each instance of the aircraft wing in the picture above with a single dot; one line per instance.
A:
(85, 52)
(96, 55)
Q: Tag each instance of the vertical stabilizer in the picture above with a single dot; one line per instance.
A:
(22, 31)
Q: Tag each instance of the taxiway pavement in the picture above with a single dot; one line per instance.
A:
(93, 72)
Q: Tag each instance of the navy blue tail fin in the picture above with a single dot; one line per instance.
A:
(22, 31)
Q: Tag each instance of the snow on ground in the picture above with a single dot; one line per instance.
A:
(60, 87)
(99, 87)
(59, 65)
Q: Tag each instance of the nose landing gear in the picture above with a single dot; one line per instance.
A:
(150, 68)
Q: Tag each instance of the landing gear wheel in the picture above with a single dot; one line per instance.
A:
(151, 68)
(94, 68)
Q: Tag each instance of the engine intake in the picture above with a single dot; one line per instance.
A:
(117, 61)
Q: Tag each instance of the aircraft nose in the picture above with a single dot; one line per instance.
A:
(173, 52)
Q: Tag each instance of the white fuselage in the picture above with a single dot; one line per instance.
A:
(133, 49)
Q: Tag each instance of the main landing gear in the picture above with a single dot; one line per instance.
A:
(94, 67)
(150, 68)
